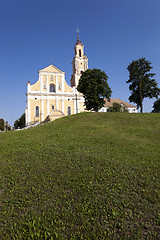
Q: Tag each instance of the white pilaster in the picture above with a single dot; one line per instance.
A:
(62, 105)
(76, 80)
(78, 107)
(47, 107)
(47, 84)
(29, 111)
(87, 64)
(42, 108)
(62, 81)
(76, 65)
(56, 104)
(75, 105)
(56, 83)
(28, 87)
(41, 83)
(26, 116)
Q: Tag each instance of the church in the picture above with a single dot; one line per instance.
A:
(51, 97)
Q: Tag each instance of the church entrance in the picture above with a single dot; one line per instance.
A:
(69, 110)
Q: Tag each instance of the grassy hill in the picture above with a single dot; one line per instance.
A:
(87, 176)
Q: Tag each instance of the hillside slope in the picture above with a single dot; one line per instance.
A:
(87, 176)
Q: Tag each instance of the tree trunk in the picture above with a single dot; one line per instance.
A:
(141, 103)
(140, 94)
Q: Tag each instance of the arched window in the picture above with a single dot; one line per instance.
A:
(79, 52)
(37, 111)
(52, 88)
(69, 110)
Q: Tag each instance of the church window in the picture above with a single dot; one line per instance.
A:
(81, 72)
(79, 52)
(59, 87)
(44, 86)
(69, 110)
(51, 78)
(52, 107)
(37, 111)
(52, 88)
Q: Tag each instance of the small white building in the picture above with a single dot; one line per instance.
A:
(129, 107)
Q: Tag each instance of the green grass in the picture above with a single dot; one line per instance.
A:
(87, 176)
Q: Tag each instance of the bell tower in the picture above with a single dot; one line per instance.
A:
(79, 63)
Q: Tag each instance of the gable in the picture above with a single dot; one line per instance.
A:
(51, 68)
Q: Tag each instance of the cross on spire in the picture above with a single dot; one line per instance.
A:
(77, 30)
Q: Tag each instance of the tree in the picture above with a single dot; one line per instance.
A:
(116, 108)
(93, 84)
(142, 83)
(1, 124)
(156, 106)
(20, 123)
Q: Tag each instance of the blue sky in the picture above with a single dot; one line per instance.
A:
(114, 33)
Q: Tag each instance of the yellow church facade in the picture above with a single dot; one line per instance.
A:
(51, 97)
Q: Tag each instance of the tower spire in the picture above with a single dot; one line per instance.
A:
(77, 30)
(79, 63)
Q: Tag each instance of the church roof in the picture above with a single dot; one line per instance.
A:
(112, 100)
(51, 68)
(79, 42)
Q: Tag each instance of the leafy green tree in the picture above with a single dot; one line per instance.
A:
(2, 124)
(142, 83)
(116, 108)
(156, 106)
(20, 123)
(93, 84)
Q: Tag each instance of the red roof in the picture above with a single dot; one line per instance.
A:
(109, 103)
